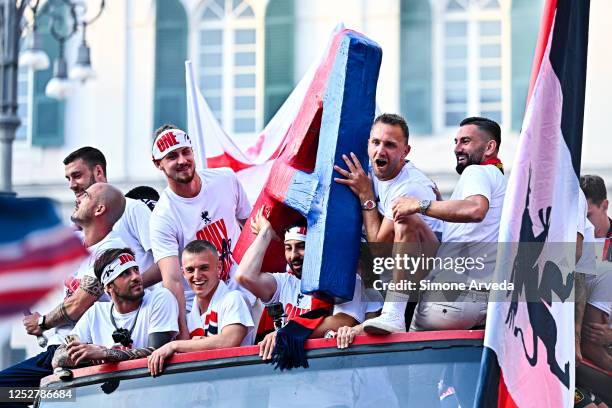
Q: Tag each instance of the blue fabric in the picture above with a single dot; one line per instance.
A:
(28, 373)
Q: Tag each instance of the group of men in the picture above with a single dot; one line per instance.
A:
(115, 307)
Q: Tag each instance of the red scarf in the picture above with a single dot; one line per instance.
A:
(494, 161)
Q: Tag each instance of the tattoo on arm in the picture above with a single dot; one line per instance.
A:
(91, 286)
(61, 358)
(58, 317)
(114, 356)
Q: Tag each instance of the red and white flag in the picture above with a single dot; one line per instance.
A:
(37, 253)
(529, 356)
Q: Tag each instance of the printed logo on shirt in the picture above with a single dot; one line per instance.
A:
(211, 324)
(205, 217)
(293, 311)
(198, 331)
(216, 233)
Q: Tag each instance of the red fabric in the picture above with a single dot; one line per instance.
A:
(314, 305)
(548, 17)
(493, 160)
(45, 258)
(297, 152)
(504, 399)
(266, 324)
(197, 332)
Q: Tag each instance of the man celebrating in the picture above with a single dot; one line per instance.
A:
(394, 177)
(86, 166)
(208, 205)
(219, 317)
(285, 287)
(97, 210)
(471, 216)
(131, 326)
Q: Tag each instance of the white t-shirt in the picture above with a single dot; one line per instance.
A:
(226, 307)
(110, 241)
(486, 181)
(478, 238)
(212, 215)
(158, 314)
(410, 182)
(288, 292)
(133, 228)
(599, 288)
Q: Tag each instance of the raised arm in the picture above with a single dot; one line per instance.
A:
(249, 274)
(355, 178)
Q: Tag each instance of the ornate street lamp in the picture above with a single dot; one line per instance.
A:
(65, 17)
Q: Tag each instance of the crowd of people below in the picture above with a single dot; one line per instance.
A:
(161, 278)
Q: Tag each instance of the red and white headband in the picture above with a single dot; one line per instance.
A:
(297, 233)
(115, 268)
(168, 141)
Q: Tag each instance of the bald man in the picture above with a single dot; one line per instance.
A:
(97, 209)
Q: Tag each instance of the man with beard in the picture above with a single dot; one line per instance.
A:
(131, 326)
(285, 287)
(86, 166)
(97, 210)
(471, 225)
(219, 316)
(208, 204)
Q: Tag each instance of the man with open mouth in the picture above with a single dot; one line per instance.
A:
(393, 177)
(86, 166)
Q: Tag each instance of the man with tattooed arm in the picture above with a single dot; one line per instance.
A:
(97, 209)
(131, 326)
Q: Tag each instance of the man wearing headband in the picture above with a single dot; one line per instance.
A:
(285, 287)
(219, 316)
(131, 326)
(86, 166)
(97, 210)
(207, 204)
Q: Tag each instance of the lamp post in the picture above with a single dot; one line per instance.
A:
(10, 22)
(12, 25)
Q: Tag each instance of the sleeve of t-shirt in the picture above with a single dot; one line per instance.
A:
(243, 207)
(164, 241)
(281, 279)
(235, 311)
(355, 308)
(83, 326)
(476, 180)
(599, 296)
(406, 189)
(164, 312)
(139, 223)
(582, 213)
